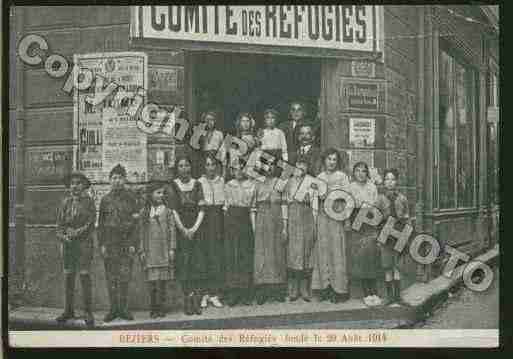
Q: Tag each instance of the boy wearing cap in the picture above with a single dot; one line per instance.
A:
(116, 229)
(75, 222)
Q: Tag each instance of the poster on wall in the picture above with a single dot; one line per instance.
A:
(106, 134)
(362, 131)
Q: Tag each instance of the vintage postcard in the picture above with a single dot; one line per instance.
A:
(253, 176)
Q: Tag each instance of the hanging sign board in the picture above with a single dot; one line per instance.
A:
(261, 28)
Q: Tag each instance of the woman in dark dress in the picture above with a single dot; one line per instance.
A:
(239, 244)
(186, 197)
(213, 230)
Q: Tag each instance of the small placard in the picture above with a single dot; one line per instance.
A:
(48, 164)
(362, 95)
(492, 114)
(363, 69)
(362, 132)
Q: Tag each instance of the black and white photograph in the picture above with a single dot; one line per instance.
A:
(253, 175)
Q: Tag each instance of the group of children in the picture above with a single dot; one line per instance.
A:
(232, 239)
(245, 240)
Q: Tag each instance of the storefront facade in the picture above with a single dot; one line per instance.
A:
(421, 77)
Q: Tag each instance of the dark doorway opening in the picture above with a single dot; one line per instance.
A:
(232, 83)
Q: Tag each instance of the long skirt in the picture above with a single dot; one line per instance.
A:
(190, 257)
(301, 233)
(270, 247)
(364, 259)
(390, 259)
(239, 248)
(330, 255)
(212, 244)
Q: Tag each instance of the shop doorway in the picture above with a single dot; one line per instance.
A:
(233, 82)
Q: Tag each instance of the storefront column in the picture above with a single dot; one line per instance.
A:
(430, 112)
(421, 135)
(483, 193)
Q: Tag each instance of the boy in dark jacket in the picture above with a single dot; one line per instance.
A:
(116, 236)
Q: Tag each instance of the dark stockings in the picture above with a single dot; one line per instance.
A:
(69, 290)
(369, 287)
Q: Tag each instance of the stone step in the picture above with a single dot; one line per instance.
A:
(269, 315)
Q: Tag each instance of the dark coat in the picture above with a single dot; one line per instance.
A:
(314, 159)
(116, 217)
(291, 136)
(76, 217)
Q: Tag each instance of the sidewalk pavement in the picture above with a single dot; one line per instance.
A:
(353, 314)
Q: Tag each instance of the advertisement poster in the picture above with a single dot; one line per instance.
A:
(106, 134)
(362, 131)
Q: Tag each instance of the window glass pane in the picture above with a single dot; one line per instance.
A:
(493, 165)
(497, 168)
(495, 90)
(464, 118)
(446, 163)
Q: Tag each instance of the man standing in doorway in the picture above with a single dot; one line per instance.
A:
(291, 127)
(308, 149)
(116, 229)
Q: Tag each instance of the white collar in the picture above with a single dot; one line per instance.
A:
(214, 180)
(185, 186)
(245, 184)
(157, 210)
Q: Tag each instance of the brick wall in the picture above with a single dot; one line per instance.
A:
(47, 122)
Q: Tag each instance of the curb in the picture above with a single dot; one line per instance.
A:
(349, 318)
(423, 297)
(420, 298)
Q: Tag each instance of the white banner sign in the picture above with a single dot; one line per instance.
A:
(340, 27)
(106, 135)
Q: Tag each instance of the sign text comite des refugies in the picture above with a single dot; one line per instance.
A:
(335, 27)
